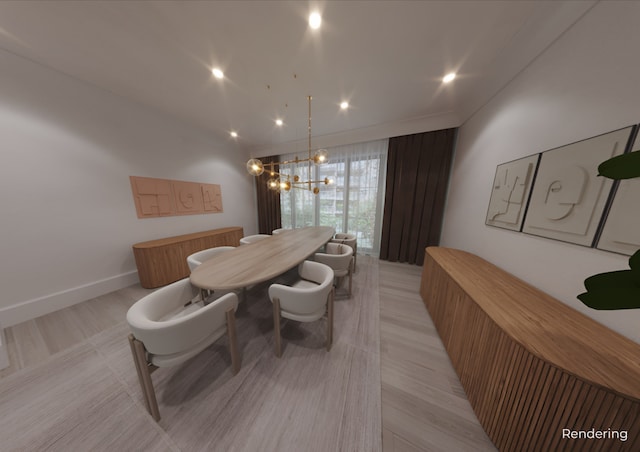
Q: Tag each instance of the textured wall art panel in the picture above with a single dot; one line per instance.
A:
(212, 197)
(510, 192)
(568, 197)
(621, 233)
(164, 197)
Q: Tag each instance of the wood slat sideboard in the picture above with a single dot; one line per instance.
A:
(164, 261)
(531, 366)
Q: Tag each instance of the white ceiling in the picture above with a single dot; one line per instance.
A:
(386, 58)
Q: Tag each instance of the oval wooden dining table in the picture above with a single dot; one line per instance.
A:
(260, 261)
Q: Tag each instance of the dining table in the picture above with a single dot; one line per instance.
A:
(260, 261)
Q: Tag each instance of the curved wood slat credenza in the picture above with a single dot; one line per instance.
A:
(530, 365)
(163, 261)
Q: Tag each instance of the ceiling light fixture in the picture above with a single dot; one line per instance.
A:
(233, 134)
(279, 122)
(285, 182)
(449, 77)
(217, 73)
(315, 20)
(344, 105)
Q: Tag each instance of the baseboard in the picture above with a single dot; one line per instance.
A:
(37, 307)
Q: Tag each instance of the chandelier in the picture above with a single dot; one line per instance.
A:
(285, 182)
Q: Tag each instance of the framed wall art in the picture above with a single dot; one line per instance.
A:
(165, 197)
(621, 231)
(510, 192)
(568, 198)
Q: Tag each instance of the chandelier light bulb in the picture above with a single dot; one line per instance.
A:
(273, 184)
(255, 167)
(449, 77)
(286, 185)
(321, 156)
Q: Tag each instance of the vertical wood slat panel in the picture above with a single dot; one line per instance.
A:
(522, 401)
(496, 383)
(528, 404)
(164, 261)
(546, 385)
(505, 417)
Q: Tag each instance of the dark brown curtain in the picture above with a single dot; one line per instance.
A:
(268, 202)
(417, 177)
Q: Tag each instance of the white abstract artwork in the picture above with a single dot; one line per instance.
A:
(621, 233)
(510, 193)
(568, 197)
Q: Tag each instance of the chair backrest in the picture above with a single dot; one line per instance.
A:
(150, 318)
(347, 239)
(305, 300)
(279, 231)
(253, 238)
(199, 257)
(337, 256)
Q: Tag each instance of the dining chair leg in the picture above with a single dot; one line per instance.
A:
(330, 319)
(355, 257)
(144, 376)
(276, 326)
(233, 340)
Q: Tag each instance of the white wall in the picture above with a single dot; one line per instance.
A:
(67, 213)
(585, 84)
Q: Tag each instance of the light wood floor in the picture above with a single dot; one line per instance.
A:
(423, 405)
(31, 342)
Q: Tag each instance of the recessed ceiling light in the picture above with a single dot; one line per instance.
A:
(449, 77)
(233, 134)
(217, 73)
(344, 105)
(315, 20)
(279, 122)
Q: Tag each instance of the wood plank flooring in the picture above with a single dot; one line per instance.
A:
(424, 407)
(332, 401)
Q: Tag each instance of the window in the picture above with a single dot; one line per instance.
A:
(353, 203)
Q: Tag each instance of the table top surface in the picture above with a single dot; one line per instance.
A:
(260, 261)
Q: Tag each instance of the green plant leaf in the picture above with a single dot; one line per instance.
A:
(625, 166)
(634, 261)
(611, 291)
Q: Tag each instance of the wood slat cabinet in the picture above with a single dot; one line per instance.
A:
(164, 261)
(530, 365)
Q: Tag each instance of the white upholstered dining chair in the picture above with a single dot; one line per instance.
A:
(348, 239)
(166, 333)
(253, 238)
(197, 258)
(279, 231)
(340, 258)
(307, 300)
